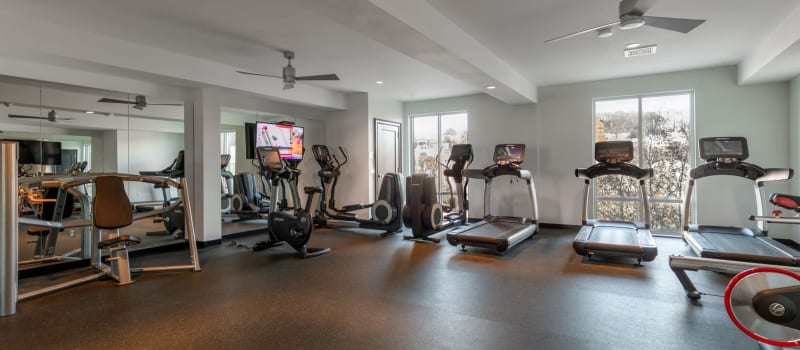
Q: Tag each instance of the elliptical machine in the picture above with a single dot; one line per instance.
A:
(422, 212)
(286, 224)
(385, 212)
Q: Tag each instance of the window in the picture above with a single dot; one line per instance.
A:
(433, 137)
(228, 146)
(660, 127)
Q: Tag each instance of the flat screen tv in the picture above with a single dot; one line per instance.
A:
(51, 153)
(250, 140)
(288, 139)
(29, 151)
(38, 152)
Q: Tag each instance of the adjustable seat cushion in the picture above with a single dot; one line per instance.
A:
(127, 239)
(785, 201)
(38, 230)
(111, 207)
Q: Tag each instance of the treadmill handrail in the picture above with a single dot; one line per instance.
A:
(776, 174)
(588, 175)
(741, 169)
(473, 174)
(745, 170)
(623, 169)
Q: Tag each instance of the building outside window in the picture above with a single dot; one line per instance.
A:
(661, 129)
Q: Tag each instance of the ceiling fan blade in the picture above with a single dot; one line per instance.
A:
(113, 100)
(165, 104)
(318, 77)
(635, 6)
(25, 116)
(581, 32)
(683, 25)
(260, 75)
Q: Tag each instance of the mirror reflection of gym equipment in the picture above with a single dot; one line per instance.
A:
(111, 209)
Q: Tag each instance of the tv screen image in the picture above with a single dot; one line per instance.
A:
(38, 152)
(288, 139)
(249, 139)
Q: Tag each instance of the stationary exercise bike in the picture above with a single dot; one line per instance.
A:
(385, 211)
(422, 212)
(764, 301)
(286, 224)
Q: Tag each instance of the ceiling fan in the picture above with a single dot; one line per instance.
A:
(51, 116)
(631, 15)
(289, 78)
(140, 102)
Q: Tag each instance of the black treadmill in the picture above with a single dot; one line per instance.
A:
(725, 156)
(499, 232)
(615, 238)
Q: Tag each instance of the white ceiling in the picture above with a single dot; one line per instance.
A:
(516, 31)
(471, 44)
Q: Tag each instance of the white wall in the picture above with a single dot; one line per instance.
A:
(384, 109)
(350, 129)
(794, 143)
(722, 108)
(491, 122)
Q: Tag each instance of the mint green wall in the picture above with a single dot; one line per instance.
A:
(722, 108)
(491, 122)
(794, 143)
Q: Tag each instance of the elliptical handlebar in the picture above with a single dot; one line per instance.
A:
(339, 164)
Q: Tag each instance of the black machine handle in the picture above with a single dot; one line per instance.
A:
(338, 163)
(624, 169)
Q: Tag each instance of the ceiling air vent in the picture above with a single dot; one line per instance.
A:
(640, 51)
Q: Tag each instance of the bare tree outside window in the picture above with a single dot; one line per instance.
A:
(660, 128)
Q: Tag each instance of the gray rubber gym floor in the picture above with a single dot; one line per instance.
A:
(374, 293)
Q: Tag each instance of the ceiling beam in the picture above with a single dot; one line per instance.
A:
(55, 45)
(776, 42)
(418, 30)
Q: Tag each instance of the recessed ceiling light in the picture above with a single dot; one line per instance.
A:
(491, 87)
(379, 82)
(632, 45)
(89, 112)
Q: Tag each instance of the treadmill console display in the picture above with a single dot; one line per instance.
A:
(613, 151)
(713, 148)
(509, 153)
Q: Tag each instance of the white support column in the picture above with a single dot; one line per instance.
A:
(201, 161)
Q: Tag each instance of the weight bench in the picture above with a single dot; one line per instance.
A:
(111, 210)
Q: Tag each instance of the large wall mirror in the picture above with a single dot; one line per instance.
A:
(66, 130)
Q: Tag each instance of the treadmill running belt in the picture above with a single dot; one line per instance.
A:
(742, 247)
(490, 232)
(615, 236)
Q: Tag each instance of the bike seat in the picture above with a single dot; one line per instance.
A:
(310, 190)
(124, 239)
(785, 201)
